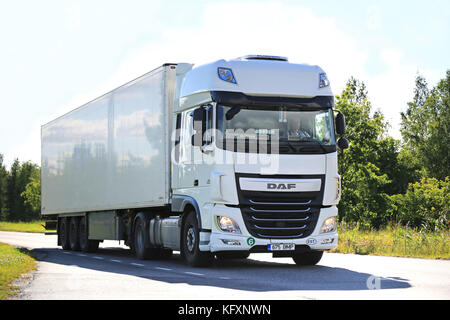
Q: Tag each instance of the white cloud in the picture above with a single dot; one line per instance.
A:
(29, 150)
(73, 17)
(232, 29)
(391, 90)
(373, 18)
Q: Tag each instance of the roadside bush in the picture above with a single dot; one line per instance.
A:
(425, 205)
(362, 197)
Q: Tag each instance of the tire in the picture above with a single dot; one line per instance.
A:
(307, 258)
(74, 234)
(232, 255)
(86, 245)
(140, 235)
(63, 233)
(190, 244)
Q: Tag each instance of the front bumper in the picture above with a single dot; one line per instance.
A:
(223, 241)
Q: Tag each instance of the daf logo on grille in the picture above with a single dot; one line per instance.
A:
(281, 186)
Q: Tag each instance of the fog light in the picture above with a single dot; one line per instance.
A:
(231, 242)
(327, 241)
(227, 224)
(328, 225)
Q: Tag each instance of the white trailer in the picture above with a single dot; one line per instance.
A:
(220, 160)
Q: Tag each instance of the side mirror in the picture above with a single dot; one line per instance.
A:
(342, 143)
(340, 124)
(199, 117)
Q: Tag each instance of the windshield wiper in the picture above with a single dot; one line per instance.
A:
(316, 143)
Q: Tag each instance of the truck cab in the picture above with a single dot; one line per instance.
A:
(254, 159)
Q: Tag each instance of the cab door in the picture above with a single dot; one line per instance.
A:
(195, 162)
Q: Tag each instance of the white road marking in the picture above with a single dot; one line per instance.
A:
(99, 258)
(225, 278)
(114, 260)
(137, 264)
(194, 273)
(65, 252)
(165, 269)
(81, 255)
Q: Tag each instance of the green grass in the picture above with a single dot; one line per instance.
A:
(395, 241)
(13, 263)
(33, 226)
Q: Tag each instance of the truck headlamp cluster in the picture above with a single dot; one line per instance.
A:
(329, 225)
(227, 224)
(226, 74)
(323, 80)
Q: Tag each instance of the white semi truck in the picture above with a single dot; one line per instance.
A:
(219, 160)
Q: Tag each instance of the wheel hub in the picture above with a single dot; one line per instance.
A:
(190, 239)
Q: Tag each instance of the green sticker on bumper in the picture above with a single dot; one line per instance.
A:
(250, 241)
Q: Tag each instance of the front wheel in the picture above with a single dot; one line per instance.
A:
(190, 244)
(307, 258)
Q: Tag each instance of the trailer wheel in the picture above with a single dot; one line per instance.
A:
(86, 245)
(307, 258)
(63, 233)
(141, 250)
(190, 244)
(74, 235)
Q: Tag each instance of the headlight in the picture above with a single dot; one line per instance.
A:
(227, 224)
(323, 80)
(226, 74)
(328, 225)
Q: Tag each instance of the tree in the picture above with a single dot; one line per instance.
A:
(27, 171)
(32, 193)
(425, 127)
(3, 182)
(364, 184)
(11, 192)
(18, 178)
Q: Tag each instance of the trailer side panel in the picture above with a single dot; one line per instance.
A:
(110, 153)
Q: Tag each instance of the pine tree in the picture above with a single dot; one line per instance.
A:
(3, 183)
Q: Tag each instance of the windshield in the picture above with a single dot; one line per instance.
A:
(296, 130)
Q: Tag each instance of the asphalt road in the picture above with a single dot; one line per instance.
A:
(113, 273)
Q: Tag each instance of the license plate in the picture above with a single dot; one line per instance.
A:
(281, 246)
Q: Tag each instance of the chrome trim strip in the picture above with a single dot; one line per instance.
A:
(281, 203)
(280, 237)
(287, 220)
(281, 210)
(279, 228)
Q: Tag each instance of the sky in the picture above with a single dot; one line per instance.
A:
(55, 55)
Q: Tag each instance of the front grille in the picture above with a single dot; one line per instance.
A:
(280, 215)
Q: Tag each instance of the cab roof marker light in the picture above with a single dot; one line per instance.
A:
(323, 80)
(263, 57)
(226, 74)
